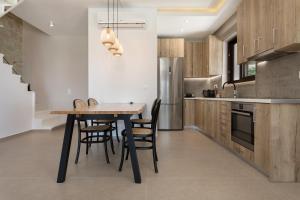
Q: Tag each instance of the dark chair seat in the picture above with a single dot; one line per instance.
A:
(96, 128)
(140, 132)
(141, 121)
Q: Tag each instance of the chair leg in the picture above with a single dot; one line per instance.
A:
(78, 148)
(154, 160)
(87, 144)
(105, 147)
(123, 154)
(154, 155)
(127, 153)
(117, 131)
(112, 142)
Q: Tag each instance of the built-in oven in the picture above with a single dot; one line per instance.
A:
(242, 126)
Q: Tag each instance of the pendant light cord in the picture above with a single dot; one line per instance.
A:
(113, 15)
(108, 13)
(117, 18)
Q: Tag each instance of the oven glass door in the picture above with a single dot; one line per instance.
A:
(243, 128)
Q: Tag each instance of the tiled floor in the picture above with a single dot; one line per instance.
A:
(190, 167)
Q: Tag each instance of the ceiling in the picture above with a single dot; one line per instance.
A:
(184, 18)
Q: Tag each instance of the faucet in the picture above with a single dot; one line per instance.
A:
(234, 88)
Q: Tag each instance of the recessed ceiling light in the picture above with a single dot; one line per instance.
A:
(181, 30)
(1, 26)
(186, 21)
(51, 24)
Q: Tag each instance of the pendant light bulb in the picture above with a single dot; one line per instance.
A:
(120, 51)
(115, 47)
(108, 37)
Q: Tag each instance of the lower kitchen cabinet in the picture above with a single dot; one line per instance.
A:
(276, 135)
(189, 112)
(262, 120)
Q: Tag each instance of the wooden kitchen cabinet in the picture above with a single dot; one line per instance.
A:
(204, 58)
(267, 27)
(188, 59)
(224, 115)
(241, 26)
(171, 47)
(199, 114)
(262, 137)
(189, 112)
(287, 25)
(197, 59)
(212, 56)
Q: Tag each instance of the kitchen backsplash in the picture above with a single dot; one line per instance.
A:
(277, 78)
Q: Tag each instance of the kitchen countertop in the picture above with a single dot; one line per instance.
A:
(249, 100)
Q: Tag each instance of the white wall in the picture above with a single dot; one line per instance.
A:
(132, 77)
(16, 103)
(53, 65)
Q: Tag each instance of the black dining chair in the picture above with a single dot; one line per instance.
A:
(111, 122)
(93, 134)
(145, 136)
(143, 121)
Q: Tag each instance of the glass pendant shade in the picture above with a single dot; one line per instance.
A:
(115, 47)
(120, 51)
(108, 37)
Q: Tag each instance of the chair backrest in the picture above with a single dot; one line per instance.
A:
(155, 114)
(79, 103)
(153, 106)
(92, 102)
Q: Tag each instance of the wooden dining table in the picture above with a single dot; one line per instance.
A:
(116, 111)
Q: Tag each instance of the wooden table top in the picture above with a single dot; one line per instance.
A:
(105, 108)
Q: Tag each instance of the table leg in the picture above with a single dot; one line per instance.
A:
(64, 158)
(132, 151)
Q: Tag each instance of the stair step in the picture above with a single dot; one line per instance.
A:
(43, 120)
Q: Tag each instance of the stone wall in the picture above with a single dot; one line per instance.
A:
(11, 44)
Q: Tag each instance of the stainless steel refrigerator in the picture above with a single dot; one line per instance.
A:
(170, 91)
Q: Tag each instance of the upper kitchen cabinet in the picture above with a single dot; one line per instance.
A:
(188, 59)
(171, 47)
(213, 56)
(287, 25)
(254, 28)
(266, 28)
(203, 58)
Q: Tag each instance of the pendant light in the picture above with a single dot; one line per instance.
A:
(120, 50)
(114, 48)
(108, 36)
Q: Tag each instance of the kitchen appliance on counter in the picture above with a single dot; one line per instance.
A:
(209, 93)
(189, 95)
(242, 125)
(170, 91)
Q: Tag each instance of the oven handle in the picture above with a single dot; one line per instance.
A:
(241, 113)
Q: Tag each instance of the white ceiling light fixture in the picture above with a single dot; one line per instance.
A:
(108, 36)
(120, 50)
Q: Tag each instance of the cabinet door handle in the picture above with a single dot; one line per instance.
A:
(243, 50)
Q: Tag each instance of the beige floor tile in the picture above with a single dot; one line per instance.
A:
(191, 166)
